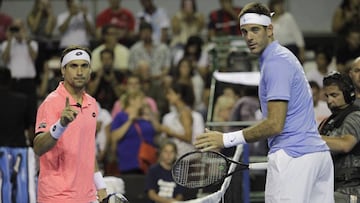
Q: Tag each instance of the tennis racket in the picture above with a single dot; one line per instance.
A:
(201, 169)
(115, 198)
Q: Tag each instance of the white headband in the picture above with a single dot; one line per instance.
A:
(255, 18)
(77, 54)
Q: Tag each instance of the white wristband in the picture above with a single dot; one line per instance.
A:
(233, 138)
(99, 181)
(57, 130)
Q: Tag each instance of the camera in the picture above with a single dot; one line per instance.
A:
(14, 29)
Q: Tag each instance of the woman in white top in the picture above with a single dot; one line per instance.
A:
(182, 123)
(286, 30)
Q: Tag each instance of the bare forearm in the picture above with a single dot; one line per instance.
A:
(260, 131)
(32, 52)
(119, 133)
(342, 144)
(43, 142)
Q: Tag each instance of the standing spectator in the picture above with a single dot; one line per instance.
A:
(41, 21)
(50, 78)
(186, 22)
(75, 25)
(355, 77)
(127, 131)
(103, 82)
(182, 124)
(342, 134)
(224, 21)
(295, 146)
(121, 53)
(159, 184)
(19, 53)
(323, 59)
(5, 22)
(116, 15)
(157, 18)
(320, 108)
(65, 136)
(286, 30)
(156, 54)
(346, 15)
(17, 131)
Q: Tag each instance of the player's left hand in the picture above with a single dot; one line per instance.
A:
(101, 194)
(210, 140)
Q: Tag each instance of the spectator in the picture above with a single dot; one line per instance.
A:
(50, 78)
(323, 59)
(157, 18)
(321, 110)
(41, 21)
(121, 53)
(185, 73)
(286, 30)
(17, 132)
(103, 82)
(346, 15)
(342, 134)
(5, 22)
(159, 184)
(224, 21)
(75, 25)
(116, 15)
(186, 22)
(348, 48)
(126, 130)
(19, 53)
(355, 77)
(182, 123)
(223, 105)
(156, 54)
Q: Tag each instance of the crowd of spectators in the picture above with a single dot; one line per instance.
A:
(151, 66)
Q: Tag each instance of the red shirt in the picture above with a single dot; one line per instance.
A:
(121, 18)
(5, 22)
(223, 23)
(67, 169)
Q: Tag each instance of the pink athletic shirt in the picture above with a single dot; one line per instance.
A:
(67, 170)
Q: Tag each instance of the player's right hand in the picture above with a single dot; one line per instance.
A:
(68, 114)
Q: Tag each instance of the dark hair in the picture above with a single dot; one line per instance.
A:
(193, 4)
(168, 142)
(255, 7)
(109, 51)
(194, 41)
(326, 51)
(177, 68)
(344, 83)
(72, 48)
(145, 25)
(314, 84)
(185, 91)
(272, 3)
(106, 28)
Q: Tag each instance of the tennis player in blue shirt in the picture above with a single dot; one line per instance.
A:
(300, 168)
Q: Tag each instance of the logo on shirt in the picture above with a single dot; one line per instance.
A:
(94, 114)
(42, 125)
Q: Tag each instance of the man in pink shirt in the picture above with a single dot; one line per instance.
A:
(65, 136)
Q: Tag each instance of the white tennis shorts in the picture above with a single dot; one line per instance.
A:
(305, 179)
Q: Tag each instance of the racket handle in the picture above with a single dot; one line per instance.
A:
(258, 166)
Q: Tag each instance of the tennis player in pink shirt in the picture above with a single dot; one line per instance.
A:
(65, 136)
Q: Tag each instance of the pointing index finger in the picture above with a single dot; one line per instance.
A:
(67, 102)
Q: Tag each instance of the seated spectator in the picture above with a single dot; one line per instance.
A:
(50, 78)
(159, 184)
(156, 54)
(126, 130)
(320, 107)
(185, 23)
(323, 59)
(345, 16)
(223, 105)
(110, 42)
(104, 81)
(158, 19)
(76, 25)
(116, 15)
(286, 30)
(224, 21)
(348, 48)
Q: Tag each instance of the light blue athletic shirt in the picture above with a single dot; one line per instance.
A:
(283, 78)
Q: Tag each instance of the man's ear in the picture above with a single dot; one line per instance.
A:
(270, 30)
